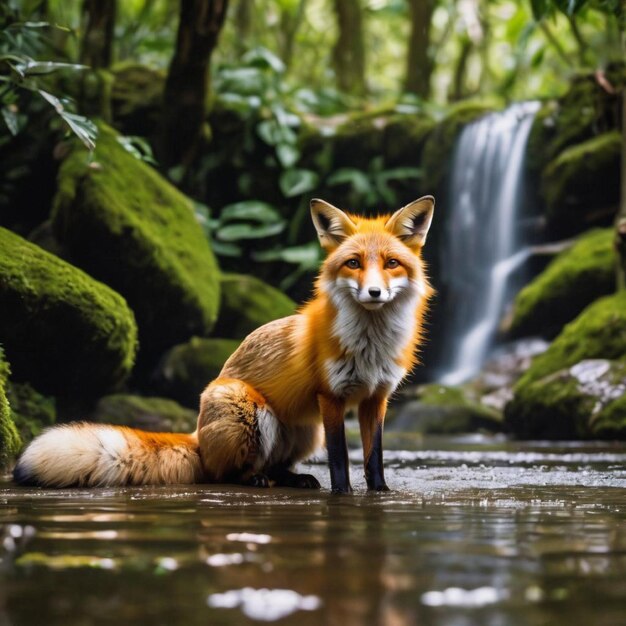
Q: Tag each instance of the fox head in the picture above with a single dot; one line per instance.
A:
(373, 261)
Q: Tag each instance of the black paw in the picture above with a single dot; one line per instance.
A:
(257, 480)
(307, 481)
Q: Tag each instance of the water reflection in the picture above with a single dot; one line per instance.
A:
(472, 535)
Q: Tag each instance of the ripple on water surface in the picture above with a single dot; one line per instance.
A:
(472, 534)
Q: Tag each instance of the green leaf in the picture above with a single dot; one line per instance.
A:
(540, 8)
(262, 57)
(226, 249)
(307, 256)
(83, 128)
(36, 68)
(297, 181)
(349, 175)
(254, 210)
(287, 154)
(10, 119)
(236, 232)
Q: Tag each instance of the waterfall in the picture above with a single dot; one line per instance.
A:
(481, 245)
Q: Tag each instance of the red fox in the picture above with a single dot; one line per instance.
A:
(290, 381)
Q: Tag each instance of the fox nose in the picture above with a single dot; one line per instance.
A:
(374, 292)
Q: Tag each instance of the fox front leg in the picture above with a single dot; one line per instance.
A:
(371, 419)
(333, 411)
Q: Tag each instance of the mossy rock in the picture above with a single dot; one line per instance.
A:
(64, 332)
(10, 442)
(137, 98)
(357, 141)
(31, 410)
(581, 186)
(127, 226)
(599, 332)
(581, 402)
(188, 368)
(573, 280)
(439, 145)
(145, 413)
(403, 139)
(248, 303)
(439, 409)
(583, 112)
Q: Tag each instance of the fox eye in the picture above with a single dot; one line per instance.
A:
(391, 263)
(353, 264)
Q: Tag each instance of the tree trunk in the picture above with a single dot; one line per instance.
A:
(349, 50)
(458, 82)
(187, 83)
(419, 65)
(244, 20)
(290, 21)
(97, 45)
(620, 224)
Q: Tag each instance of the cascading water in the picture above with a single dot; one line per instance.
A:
(481, 247)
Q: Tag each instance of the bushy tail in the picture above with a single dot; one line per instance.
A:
(94, 455)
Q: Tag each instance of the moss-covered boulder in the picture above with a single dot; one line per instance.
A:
(586, 110)
(439, 145)
(187, 369)
(10, 442)
(145, 413)
(248, 303)
(584, 401)
(599, 332)
(404, 137)
(64, 332)
(137, 98)
(438, 409)
(573, 280)
(31, 410)
(127, 226)
(581, 185)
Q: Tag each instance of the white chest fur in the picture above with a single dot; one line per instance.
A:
(372, 342)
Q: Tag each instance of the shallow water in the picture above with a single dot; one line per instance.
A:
(476, 531)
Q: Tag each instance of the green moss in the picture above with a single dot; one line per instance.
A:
(10, 442)
(549, 408)
(573, 280)
(403, 139)
(130, 228)
(584, 111)
(581, 402)
(439, 409)
(63, 331)
(152, 414)
(248, 303)
(581, 186)
(357, 142)
(31, 410)
(439, 145)
(611, 422)
(136, 98)
(598, 332)
(187, 369)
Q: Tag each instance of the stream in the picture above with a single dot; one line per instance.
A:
(477, 530)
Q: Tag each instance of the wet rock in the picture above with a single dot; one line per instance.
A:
(145, 413)
(579, 402)
(438, 409)
(581, 185)
(573, 280)
(248, 303)
(127, 226)
(10, 442)
(62, 331)
(598, 332)
(187, 369)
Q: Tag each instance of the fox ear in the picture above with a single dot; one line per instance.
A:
(411, 223)
(332, 224)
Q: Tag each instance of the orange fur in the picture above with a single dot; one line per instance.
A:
(350, 345)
